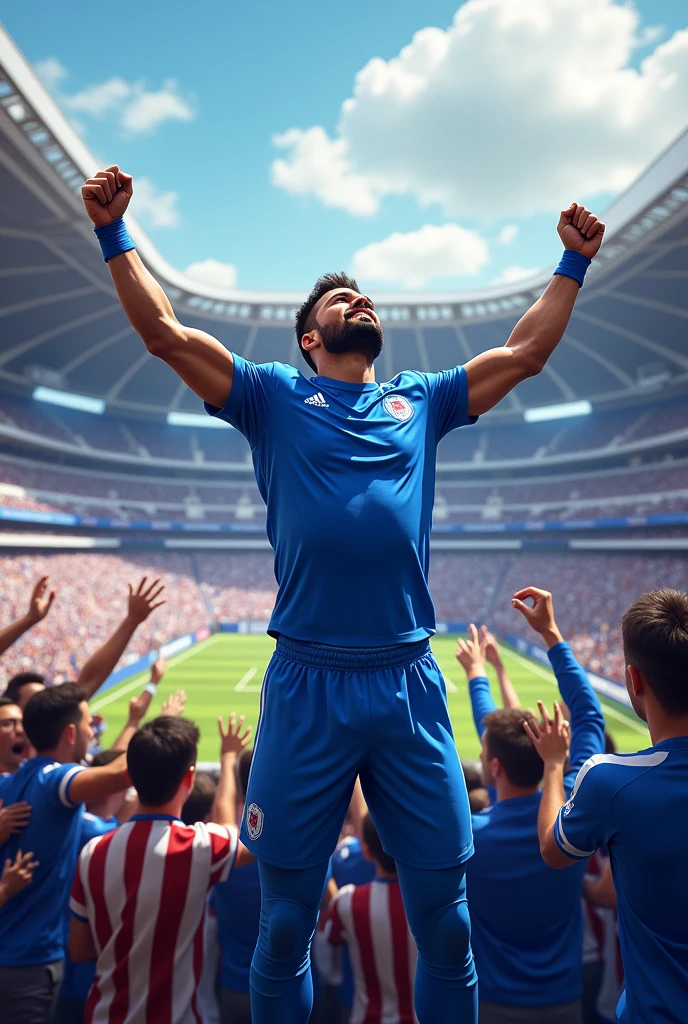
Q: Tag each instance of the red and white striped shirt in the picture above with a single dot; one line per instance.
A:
(371, 920)
(143, 889)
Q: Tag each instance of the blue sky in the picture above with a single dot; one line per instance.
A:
(447, 168)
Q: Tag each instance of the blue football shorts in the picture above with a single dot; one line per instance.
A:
(329, 714)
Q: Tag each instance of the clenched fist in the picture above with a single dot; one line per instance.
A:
(106, 195)
(580, 230)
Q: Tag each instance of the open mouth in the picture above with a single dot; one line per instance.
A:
(18, 749)
(361, 314)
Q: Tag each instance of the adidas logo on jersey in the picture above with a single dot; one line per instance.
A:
(317, 400)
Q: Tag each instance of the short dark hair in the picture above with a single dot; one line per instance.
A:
(304, 320)
(507, 740)
(6, 702)
(374, 843)
(159, 756)
(21, 679)
(48, 713)
(105, 757)
(200, 800)
(473, 775)
(244, 770)
(655, 640)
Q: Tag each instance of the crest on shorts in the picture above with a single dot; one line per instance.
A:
(398, 407)
(254, 820)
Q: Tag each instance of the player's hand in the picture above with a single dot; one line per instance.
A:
(539, 615)
(41, 601)
(580, 230)
(551, 738)
(143, 601)
(233, 740)
(489, 647)
(469, 654)
(13, 819)
(106, 195)
(18, 873)
(158, 670)
(175, 704)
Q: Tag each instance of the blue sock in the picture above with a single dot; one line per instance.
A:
(446, 989)
(281, 983)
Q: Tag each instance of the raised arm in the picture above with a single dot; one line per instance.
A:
(198, 358)
(493, 655)
(138, 706)
(141, 603)
(469, 654)
(493, 374)
(223, 812)
(585, 713)
(97, 783)
(39, 606)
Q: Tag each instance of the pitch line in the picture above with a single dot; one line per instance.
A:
(538, 670)
(182, 656)
(243, 687)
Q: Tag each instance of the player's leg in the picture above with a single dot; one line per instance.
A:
(309, 745)
(281, 983)
(417, 795)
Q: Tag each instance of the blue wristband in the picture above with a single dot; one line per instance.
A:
(573, 264)
(114, 239)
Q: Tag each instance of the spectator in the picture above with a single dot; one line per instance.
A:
(58, 724)
(369, 919)
(634, 805)
(22, 687)
(14, 746)
(149, 959)
(236, 904)
(199, 803)
(527, 928)
(478, 795)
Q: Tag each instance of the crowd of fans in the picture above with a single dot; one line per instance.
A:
(241, 587)
(88, 835)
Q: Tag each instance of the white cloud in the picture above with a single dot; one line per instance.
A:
(416, 257)
(519, 105)
(510, 275)
(156, 208)
(213, 272)
(508, 234)
(147, 110)
(138, 110)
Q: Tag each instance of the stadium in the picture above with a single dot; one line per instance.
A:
(577, 482)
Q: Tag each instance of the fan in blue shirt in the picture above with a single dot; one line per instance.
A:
(527, 926)
(636, 805)
(57, 722)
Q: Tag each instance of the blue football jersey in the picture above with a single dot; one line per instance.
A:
(636, 806)
(347, 472)
(32, 921)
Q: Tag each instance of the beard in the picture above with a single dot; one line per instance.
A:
(353, 336)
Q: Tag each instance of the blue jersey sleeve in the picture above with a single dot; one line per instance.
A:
(482, 701)
(57, 781)
(248, 405)
(587, 720)
(448, 391)
(582, 825)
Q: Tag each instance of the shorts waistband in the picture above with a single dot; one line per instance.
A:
(360, 659)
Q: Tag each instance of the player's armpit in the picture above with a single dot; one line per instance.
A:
(81, 945)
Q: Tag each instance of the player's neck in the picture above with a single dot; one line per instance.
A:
(172, 809)
(507, 791)
(350, 367)
(662, 727)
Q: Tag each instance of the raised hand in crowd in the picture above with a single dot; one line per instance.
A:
(13, 819)
(493, 655)
(469, 653)
(39, 606)
(17, 874)
(158, 669)
(539, 615)
(551, 736)
(175, 704)
(142, 602)
(233, 740)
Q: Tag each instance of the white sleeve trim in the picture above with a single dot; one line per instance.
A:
(63, 791)
(622, 760)
(568, 848)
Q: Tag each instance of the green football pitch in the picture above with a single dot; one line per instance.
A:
(224, 674)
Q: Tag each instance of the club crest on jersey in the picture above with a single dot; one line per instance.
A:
(398, 407)
(254, 821)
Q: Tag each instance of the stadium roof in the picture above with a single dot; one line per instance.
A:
(61, 324)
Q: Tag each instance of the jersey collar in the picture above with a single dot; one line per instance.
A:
(344, 385)
(155, 817)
